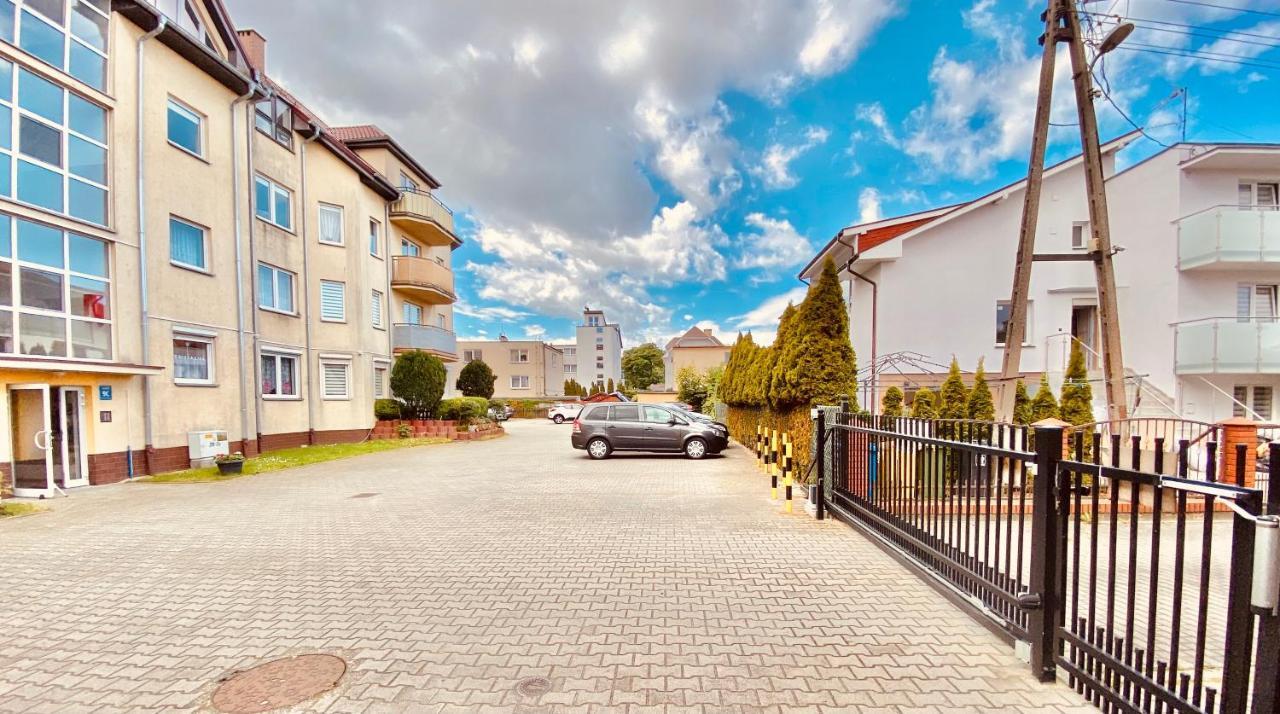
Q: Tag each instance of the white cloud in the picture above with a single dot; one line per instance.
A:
(775, 165)
(488, 312)
(687, 317)
(767, 313)
(869, 205)
(534, 332)
(692, 153)
(874, 115)
(773, 244)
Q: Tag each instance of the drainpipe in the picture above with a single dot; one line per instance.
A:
(306, 291)
(142, 245)
(255, 298)
(875, 312)
(239, 232)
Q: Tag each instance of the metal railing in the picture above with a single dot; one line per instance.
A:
(419, 272)
(1229, 233)
(423, 204)
(408, 336)
(1227, 345)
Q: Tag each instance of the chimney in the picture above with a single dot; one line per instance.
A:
(255, 48)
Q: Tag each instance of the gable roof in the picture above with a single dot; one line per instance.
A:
(368, 136)
(695, 337)
(928, 219)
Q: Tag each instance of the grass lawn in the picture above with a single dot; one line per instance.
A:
(9, 509)
(289, 458)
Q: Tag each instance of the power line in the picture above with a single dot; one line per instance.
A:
(1116, 18)
(1208, 36)
(1232, 8)
(1130, 47)
(1201, 53)
(1107, 95)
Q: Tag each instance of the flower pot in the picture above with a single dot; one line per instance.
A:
(230, 467)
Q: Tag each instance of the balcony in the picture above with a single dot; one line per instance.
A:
(423, 216)
(1225, 237)
(427, 280)
(1227, 345)
(428, 338)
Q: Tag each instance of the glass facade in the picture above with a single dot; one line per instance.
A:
(70, 35)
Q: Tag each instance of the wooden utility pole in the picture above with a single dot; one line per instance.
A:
(1016, 329)
(1062, 24)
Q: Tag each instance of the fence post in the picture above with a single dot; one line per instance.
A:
(1239, 643)
(1266, 683)
(1042, 620)
(821, 505)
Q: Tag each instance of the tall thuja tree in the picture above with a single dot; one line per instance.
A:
(770, 366)
(980, 406)
(753, 390)
(954, 403)
(924, 405)
(1077, 395)
(816, 363)
(891, 404)
(734, 370)
(1044, 405)
(1022, 405)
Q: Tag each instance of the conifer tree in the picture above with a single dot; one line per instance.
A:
(770, 366)
(955, 396)
(891, 404)
(1022, 404)
(924, 405)
(1077, 395)
(815, 361)
(1044, 406)
(609, 389)
(980, 405)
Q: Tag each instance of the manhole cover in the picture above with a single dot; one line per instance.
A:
(281, 683)
(534, 686)
(364, 495)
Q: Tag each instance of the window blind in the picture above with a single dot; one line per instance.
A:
(335, 379)
(186, 244)
(333, 303)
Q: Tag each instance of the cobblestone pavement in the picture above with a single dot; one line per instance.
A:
(640, 583)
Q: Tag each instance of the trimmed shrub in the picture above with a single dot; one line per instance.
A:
(924, 405)
(417, 380)
(980, 406)
(955, 396)
(386, 409)
(891, 404)
(464, 410)
(476, 380)
(1022, 404)
(1044, 406)
(816, 363)
(1077, 395)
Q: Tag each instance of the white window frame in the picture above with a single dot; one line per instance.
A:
(519, 356)
(519, 381)
(275, 289)
(345, 364)
(190, 113)
(342, 227)
(210, 357)
(1085, 235)
(1252, 187)
(273, 189)
(375, 237)
(1250, 399)
(381, 373)
(406, 245)
(406, 305)
(1028, 339)
(1271, 293)
(279, 357)
(204, 247)
(469, 356)
(341, 285)
(376, 309)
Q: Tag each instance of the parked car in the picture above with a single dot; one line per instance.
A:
(501, 413)
(605, 428)
(561, 413)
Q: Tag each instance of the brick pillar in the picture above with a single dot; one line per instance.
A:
(1238, 430)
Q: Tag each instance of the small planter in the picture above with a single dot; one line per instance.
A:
(230, 467)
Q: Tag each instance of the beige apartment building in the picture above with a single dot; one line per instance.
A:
(698, 348)
(187, 251)
(524, 369)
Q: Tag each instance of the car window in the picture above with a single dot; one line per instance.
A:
(656, 415)
(598, 414)
(626, 412)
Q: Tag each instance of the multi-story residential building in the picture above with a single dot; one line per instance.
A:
(697, 348)
(599, 354)
(523, 369)
(570, 352)
(1198, 227)
(185, 248)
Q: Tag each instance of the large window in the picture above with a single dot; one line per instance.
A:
(331, 224)
(333, 301)
(68, 34)
(519, 356)
(1256, 302)
(187, 245)
(411, 313)
(1256, 398)
(55, 292)
(408, 247)
(186, 128)
(53, 150)
(1004, 311)
(193, 359)
(272, 202)
(273, 117)
(279, 375)
(519, 381)
(336, 377)
(275, 289)
(184, 13)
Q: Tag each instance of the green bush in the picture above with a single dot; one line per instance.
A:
(386, 409)
(891, 403)
(1044, 405)
(463, 410)
(816, 364)
(497, 404)
(476, 380)
(1022, 405)
(417, 380)
(924, 405)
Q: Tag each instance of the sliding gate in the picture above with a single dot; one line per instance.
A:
(1134, 587)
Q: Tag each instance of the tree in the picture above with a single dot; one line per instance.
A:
(733, 381)
(609, 389)
(891, 404)
(476, 380)
(642, 366)
(924, 405)
(691, 387)
(815, 360)
(713, 378)
(955, 396)
(417, 380)
(980, 406)
(770, 367)
(1044, 406)
(1077, 395)
(1022, 404)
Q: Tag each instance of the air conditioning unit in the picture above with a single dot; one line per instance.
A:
(204, 446)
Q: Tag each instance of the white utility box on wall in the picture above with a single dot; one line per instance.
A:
(204, 446)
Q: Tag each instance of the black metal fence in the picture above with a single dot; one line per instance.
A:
(1131, 584)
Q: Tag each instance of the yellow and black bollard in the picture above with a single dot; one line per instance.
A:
(759, 447)
(787, 469)
(773, 465)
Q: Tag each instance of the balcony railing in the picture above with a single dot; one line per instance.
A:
(407, 336)
(1226, 235)
(425, 215)
(425, 277)
(1228, 345)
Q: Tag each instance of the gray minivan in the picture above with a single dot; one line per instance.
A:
(605, 428)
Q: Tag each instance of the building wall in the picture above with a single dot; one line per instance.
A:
(544, 370)
(609, 336)
(699, 358)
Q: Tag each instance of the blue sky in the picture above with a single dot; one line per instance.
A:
(676, 163)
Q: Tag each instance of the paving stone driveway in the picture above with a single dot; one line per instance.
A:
(638, 583)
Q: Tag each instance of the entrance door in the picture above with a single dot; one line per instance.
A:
(31, 427)
(1084, 327)
(69, 440)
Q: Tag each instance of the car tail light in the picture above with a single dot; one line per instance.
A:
(577, 426)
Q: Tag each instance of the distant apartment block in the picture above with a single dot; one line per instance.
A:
(697, 348)
(525, 369)
(597, 355)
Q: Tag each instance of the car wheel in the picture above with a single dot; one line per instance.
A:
(557, 419)
(598, 448)
(695, 448)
